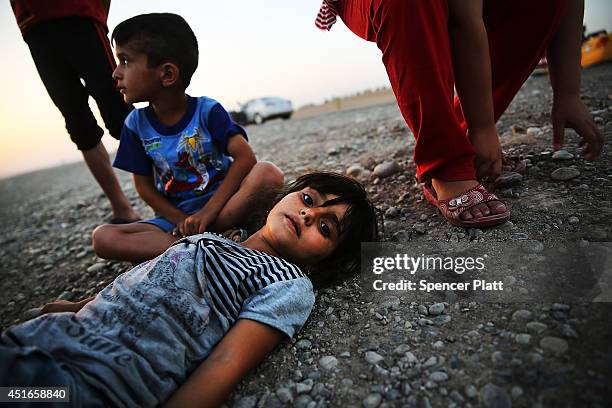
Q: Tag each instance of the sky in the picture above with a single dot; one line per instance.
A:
(248, 49)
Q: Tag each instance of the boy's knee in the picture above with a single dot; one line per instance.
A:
(102, 239)
(268, 174)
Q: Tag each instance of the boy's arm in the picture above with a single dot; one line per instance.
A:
(145, 186)
(244, 160)
(568, 110)
(472, 69)
(240, 350)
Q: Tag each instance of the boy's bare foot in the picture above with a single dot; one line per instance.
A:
(446, 190)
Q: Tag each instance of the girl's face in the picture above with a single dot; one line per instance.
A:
(302, 231)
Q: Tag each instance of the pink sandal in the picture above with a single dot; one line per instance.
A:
(452, 209)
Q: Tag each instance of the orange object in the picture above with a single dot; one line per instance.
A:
(597, 49)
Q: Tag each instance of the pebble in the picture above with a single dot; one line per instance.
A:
(536, 327)
(392, 212)
(97, 267)
(304, 344)
(438, 344)
(569, 332)
(386, 169)
(436, 309)
(373, 400)
(474, 232)
(533, 131)
(354, 170)
(565, 173)
(470, 391)
(401, 350)
(373, 357)
(516, 392)
(522, 315)
(554, 344)
(284, 394)
(431, 361)
(328, 362)
(438, 376)
(562, 155)
(419, 227)
(66, 295)
(523, 338)
(508, 178)
(32, 313)
(246, 402)
(492, 396)
(442, 319)
(304, 386)
(573, 220)
(303, 401)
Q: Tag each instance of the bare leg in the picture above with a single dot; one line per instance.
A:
(100, 166)
(264, 176)
(136, 242)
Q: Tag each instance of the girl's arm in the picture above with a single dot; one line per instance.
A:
(145, 186)
(472, 70)
(563, 57)
(240, 350)
(244, 160)
(65, 306)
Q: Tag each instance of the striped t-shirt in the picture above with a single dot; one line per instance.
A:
(142, 336)
(327, 15)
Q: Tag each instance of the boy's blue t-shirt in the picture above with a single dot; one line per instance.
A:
(189, 159)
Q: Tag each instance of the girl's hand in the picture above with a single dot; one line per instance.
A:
(60, 306)
(488, 161)
(570, 112)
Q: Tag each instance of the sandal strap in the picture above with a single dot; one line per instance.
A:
(455, 206)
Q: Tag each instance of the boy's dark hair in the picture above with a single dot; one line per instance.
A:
(162, 37)
(360, 224)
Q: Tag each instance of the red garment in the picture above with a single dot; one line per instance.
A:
(30, 12)
(414, 40)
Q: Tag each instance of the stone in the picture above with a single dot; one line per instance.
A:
(386, 169)
(303, 401)
(328, 362)
(304, 344)
(354, 170)
(246, 402)
(492, 396)
(438, 345)
(304, 386)
(562, 155)
(438, 376)
(536, 327)
(470, 391)
(66, 295)
(516, 392)
(392, 212)
(97, 267)
(573, 220)
(522, 315)
(32, 313)
(401, 350)
(419, 227)
(565, 173)
(284, 394)
(373, 357)
(554, 344)
(507, 179)
(373, 400)
(442, 319)
(436, 309)
(523, 338)
(533, 131)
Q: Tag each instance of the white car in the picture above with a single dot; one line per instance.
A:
(261, 109)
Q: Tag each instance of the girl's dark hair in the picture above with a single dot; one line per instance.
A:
(162, 37)
(360, 224)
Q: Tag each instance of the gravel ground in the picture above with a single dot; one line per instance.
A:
(361, 348)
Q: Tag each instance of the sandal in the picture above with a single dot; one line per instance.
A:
(236, 234)
(452, 209)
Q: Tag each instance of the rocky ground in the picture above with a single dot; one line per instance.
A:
(361, 348)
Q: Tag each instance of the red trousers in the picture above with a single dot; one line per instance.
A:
(414, 39)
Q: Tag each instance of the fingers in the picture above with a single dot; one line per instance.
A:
(592, 139)
(489, 171)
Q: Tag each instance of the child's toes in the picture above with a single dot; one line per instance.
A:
(497, 207)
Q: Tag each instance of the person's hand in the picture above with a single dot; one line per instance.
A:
(60, 306)
(194, 224)
(488, 161)
(570, 112)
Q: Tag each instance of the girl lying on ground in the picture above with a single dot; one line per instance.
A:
(185, 327)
